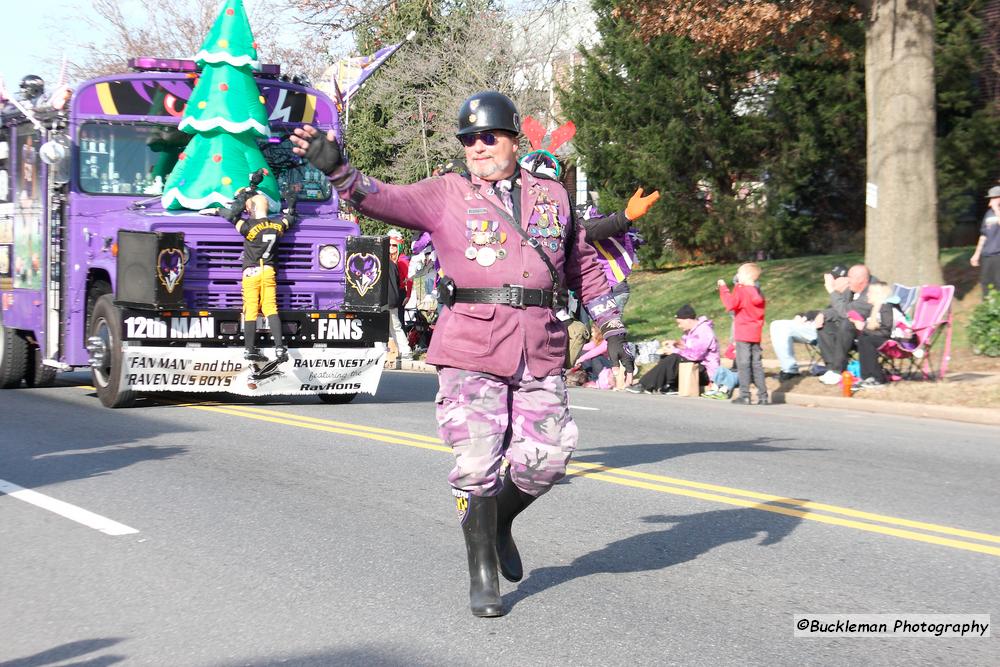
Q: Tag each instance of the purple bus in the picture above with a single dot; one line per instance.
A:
(74, 180)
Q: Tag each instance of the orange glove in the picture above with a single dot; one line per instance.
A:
(638, 205)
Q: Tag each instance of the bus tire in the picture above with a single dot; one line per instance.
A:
(106, 325)
(38, 374)
(336, 399)
(13, 358)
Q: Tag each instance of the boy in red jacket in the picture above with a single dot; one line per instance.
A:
(747, 305)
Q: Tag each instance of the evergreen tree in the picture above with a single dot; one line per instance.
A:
(815, 171)
(968, 128)
(226, 114)
(642, 111)
(667, 115)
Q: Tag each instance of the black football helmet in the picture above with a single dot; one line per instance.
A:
(32, 86)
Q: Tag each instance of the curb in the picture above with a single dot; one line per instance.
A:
(958, 413)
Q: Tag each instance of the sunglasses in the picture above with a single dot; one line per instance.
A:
(469, 140)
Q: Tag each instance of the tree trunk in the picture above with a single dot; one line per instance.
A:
(901, 243)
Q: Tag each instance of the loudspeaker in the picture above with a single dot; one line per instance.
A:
(150, 270)
(366, 274)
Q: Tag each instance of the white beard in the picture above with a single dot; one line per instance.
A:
(491, 169)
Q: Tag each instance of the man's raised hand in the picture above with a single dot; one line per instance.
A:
(323, 152)
(638, 205)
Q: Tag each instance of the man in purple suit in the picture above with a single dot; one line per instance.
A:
(509, 248)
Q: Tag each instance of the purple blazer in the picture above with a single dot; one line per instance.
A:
(477, 248)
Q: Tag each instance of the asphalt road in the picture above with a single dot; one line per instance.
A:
(690, 532)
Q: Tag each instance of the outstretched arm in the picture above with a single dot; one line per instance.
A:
(415, 206)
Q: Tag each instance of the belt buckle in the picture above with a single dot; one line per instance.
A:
(515, 294)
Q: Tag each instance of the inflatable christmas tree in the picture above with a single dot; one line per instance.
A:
(225, 114)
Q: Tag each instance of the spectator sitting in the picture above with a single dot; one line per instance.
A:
(723, 384)
(886, 321)
(697, 344)
(424, 318)
(595, 360)
(801, 329)
(836, 333)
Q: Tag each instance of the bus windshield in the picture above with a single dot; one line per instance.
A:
(136, 159)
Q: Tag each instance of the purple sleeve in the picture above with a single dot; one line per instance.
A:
(696, 344)
(585, 276)
(594, 351)
(415, 206)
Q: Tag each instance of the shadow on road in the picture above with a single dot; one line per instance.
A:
(623, 456)
(70, 651)
(52, 439)
(362, 657)
(688, 537)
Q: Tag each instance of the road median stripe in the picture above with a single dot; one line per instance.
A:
(788, 511)
(328, 422)
(295, 421)
(809, 510)
(808, 504)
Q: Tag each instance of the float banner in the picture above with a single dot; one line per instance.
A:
(308, 371)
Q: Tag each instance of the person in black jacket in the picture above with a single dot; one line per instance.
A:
(836, 332)
(885, 321)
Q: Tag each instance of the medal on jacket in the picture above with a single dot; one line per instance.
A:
(482, 234)
(486, 256)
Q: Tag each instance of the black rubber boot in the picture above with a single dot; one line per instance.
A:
(511, 501)
(479, 527)
(250, 335)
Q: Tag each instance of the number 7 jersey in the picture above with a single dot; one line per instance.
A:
(262, 235)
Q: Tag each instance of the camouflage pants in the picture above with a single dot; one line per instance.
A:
(485, 418)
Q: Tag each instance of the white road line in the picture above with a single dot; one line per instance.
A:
(580, 407)
(72, 512)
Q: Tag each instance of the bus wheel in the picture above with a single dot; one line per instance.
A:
(337, 399)
(104, 344)
(38, 374)
(13, 358)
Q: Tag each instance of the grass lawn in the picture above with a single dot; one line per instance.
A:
(795, 285)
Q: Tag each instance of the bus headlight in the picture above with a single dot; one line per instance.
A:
(329, 256)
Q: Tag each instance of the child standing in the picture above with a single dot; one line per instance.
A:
(747, 305)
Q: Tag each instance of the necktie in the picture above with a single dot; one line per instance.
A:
(504, 189)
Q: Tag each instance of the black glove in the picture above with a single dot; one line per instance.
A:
(324, 154)
(255, 180)
(614, 335)
(291, 198)
(235, 209)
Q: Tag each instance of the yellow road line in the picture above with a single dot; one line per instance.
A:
(328, 422)
(318, 427)
(808, 504)
(636, 479)
(787, 511)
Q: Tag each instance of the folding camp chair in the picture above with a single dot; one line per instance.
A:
(931, 318)
(905, 297)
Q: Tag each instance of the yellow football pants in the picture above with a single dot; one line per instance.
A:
(259, 294)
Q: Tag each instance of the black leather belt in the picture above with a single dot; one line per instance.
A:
(508, 295)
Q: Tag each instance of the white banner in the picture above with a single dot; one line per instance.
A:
(308, 371)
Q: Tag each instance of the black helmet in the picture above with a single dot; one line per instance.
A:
(32, 86)
(488, 110)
